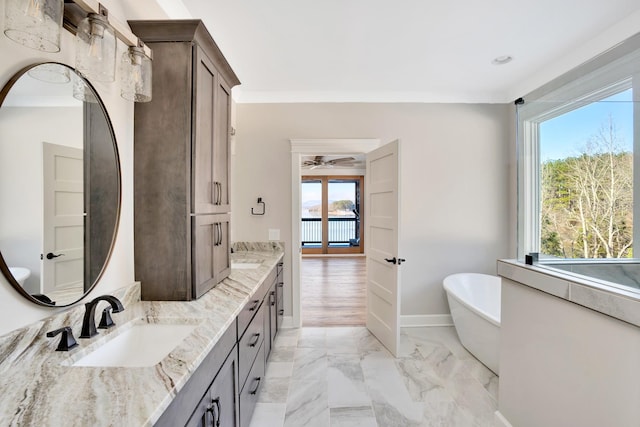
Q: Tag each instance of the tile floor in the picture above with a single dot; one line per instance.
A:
(343, 377)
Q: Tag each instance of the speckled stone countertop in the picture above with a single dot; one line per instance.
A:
(620, 302)
(39, 387)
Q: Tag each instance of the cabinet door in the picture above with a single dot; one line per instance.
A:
(204, 189)
(205, 236)
(221, 156)
(202, 415)
(211, 255)
(224, 394)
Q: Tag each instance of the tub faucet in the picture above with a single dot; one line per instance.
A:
(89, 322)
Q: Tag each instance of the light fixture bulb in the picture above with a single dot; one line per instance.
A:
(34, 23)
(96, 48)
(136, 75)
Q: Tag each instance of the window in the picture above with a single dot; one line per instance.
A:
(577, 174)
(331, 221)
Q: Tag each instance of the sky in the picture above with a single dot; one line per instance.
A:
(337, 191)
(565, 135)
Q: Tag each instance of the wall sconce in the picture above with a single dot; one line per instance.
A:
(37, 23)
(136, 74)
(34, 23)
(96, 47)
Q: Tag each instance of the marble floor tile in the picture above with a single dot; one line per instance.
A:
(310, 363)
(361, 416)
(343, 377)
(343, 340)
(312, 337)
(279, 369)
(274, 390)
(282, 354)
(346, 383)
(268, 414)
(287, 338)
(307, 404)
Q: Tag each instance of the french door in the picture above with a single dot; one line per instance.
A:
(332, 217)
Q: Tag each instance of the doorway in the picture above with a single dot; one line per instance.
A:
(299, 149)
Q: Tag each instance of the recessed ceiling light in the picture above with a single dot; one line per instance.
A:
(501, 60)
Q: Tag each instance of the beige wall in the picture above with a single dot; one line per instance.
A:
(562, 364)
(457, 175)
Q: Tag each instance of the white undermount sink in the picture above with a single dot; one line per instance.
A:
(142, 344)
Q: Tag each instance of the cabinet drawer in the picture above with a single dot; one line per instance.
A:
(250, 308)
(249, 394)
(249, 344)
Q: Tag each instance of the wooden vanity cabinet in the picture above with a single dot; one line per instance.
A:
(215, 378)
(181, 163)
(219, 405)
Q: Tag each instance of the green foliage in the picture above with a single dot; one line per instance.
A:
(587, 201)
(342, 205)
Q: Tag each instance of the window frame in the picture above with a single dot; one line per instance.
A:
(616, 71)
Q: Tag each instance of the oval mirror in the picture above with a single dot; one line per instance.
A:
(59, 184)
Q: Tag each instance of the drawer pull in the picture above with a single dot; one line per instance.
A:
(255, 340)
(255, 305)
(216, 419)
(255, 390)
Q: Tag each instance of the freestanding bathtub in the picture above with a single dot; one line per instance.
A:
(474, 300)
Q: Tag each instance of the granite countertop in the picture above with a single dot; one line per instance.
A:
(617, 301)
(40, 387)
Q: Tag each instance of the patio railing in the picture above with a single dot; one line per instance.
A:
(341, 231)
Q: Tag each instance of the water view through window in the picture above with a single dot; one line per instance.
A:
(330, 212)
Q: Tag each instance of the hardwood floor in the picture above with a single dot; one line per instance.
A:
(333, 291)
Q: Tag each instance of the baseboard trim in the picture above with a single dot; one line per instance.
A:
(501, 420)
(287, 322)
(421, 320)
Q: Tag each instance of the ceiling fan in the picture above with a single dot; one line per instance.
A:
(320, 161)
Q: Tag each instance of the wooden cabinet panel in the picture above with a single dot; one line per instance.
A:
(211, 255)
(181, 163)
(222, 147)
(204, 116)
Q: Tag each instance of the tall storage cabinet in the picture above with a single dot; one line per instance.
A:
(181, 163)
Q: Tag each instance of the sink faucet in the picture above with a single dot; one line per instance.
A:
(89, 321)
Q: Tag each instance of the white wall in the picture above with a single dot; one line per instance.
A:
(21, 178)
(14, 310)
(456, 178)
(562, 364)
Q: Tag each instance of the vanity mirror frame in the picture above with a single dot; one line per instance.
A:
(4, 268)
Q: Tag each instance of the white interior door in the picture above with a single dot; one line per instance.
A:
(63, 220)
(383, 257)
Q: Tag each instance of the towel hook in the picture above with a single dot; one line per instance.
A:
(264, 207)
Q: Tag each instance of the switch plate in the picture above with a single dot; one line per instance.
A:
(274, 234)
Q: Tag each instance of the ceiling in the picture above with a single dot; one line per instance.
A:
(406, 50)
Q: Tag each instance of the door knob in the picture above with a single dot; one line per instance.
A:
(51, 255)
(392, 260)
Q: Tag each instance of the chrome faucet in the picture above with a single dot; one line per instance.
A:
(89, 322)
